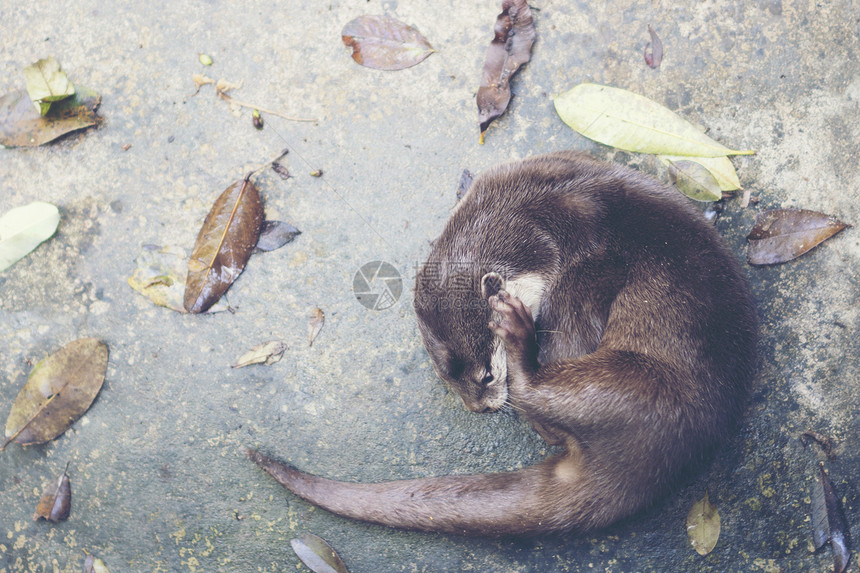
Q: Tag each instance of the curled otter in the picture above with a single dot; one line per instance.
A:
(600, 305)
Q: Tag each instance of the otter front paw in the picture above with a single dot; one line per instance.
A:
(516, 329)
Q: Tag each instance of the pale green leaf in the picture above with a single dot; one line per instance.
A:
(694, 181)
(47, 82)
(23, 228)
(720, 167)
(631, 122)
(703, 526)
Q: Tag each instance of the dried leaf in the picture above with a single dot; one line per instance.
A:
(383, 43)
(160, 274)
(223, 86)
(201, 80)
(56, 501)
(828, 524)
(465, 183)
(22, 126)
(276, 234)
(825, 442)
(280, 170)
(653, 50)
(225, 242)
(317, 554)
(720, 167)
(93, 564)
(780, 235)
(315, 324)
(22, 229)
(694, 181)
(60, 388)
(266, 353)
(511, 47)
(632, 122)
(703, 526)
(47, 83)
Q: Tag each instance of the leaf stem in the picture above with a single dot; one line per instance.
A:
(230, 99)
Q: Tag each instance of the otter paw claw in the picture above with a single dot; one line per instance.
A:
(516, 327)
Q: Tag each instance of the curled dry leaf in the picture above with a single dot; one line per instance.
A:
(159, 275)
(465, 183)
(22, 229)
(281, 170)
(60, 388)
(780, 235)
(511, 48)
(317, 554)
(703, 526)
(47, 83)
(315, 324)
(93, 564)
(22, 126)
(825, 442)
(632, 122)
(694, 181)
(383, 43)
(265, 353)
(275, 234)
(653, 50)
(720, 167)
(225, 242)
(56, 501)
(828, 524)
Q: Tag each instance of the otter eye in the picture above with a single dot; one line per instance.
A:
(487, 380)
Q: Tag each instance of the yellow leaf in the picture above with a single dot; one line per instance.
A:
(632, 122)
(703, 526)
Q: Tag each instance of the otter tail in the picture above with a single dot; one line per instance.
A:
(551, 496)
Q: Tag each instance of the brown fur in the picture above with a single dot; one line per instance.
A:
(639, 359)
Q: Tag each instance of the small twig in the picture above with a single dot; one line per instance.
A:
(230, 99)
(266, 164)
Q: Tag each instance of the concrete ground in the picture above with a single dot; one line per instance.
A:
(158, 478)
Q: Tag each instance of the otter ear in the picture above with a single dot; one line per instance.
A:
(491, 284)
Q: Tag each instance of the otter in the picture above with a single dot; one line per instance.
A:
(599, 304)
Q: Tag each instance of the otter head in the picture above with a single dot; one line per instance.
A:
(453, 314)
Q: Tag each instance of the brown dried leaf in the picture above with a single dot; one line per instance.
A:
(279, 168)
(510, 48)
(383, 43)
(56, 501)
(60, 388)
(826, 442)
(653, 50)
(225, 242)
(703, 526)
(315, 324)
(317, 554)
(21, 125)
(780, 235)
(828, 524)
(265, 353)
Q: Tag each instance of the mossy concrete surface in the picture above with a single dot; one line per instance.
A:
(159, 481)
